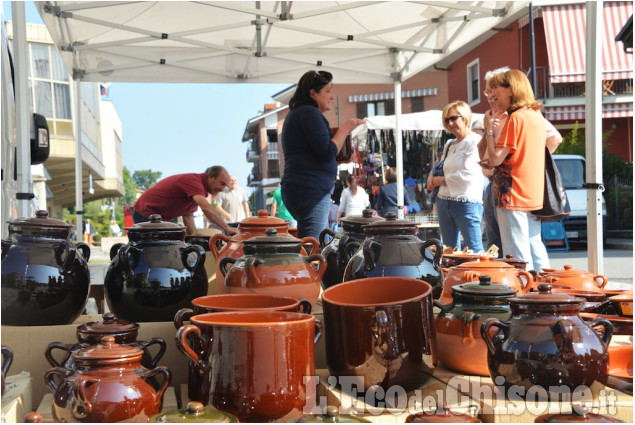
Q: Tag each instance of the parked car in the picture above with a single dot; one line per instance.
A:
(573, 171)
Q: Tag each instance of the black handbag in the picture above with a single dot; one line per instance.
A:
(555, 203)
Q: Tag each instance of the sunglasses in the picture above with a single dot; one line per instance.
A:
(452, 118)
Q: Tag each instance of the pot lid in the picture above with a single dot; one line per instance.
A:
(193, 413)
(510, 259)
(41, 219)
(271, 237)
(443, 416)
(578, 414)
(263, 219)
(331, 414)
(155, 224)
(484, 287)
(626, 296)
(108, 349)
(391, 223)
(546, 296)
(110, 325)
(569, 272)
(484, 262)
(367, 217)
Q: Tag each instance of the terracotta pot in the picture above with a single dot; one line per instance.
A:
(232, 246)
(198, 384)
(269, 354)
(516, 262)
(499, 272)
(194, 412)
(547, 344)
(458, 325)
(621, 361)
(7, 359)
(274, 265)
(335, 251)
(156, 274)
(454, 259)
(623, 303)
(621, 325)
(92, 333)
(579, 414)
(573, 279)
(380, 329)
(45, 278)
(392, 248)
(109, 385)
(441, 415)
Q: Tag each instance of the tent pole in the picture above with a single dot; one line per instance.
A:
(79, 202)
(399, 149)
(593, 134)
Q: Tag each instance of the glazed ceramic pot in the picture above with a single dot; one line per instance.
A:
(516, 262)
(7, 359)
(45, 277)
(441, 415)
(257, 361)
(592, 299)
(571, 278)
(92, 333)
(335, 252)
(274, 265)
(621, 325)
(156, 274)
(331, 415)
(458, 324)
(500, 272)
(380, 329)
(392, 248)
(547, 344)
(198, 384)
(232, 246)
(623, 303)
(579, 414)
(456, 258)
(194, 412)
(109, 385)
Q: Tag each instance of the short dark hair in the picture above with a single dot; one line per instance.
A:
(391, 175)
(315, 80)
(214, 172)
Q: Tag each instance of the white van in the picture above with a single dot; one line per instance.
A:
(572, 169)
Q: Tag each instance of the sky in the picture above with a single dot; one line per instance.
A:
(183, 128)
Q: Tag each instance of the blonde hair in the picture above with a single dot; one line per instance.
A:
(522, 93)
(462, 108)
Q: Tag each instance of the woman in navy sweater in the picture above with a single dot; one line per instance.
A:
(310, 148)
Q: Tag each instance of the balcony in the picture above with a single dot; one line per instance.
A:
(252, 155)
(254, 180)
(546, 90)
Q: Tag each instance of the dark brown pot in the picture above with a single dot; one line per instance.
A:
(392, 248)
(7, 359)
(194, 412)
(335, 252)
(45, 278)
(109, 385)
(380, 329)
(156, 274)
(579, 414)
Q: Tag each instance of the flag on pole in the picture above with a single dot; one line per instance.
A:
(103, 88)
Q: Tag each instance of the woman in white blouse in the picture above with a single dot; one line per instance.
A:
(460, 197)
(354, 199)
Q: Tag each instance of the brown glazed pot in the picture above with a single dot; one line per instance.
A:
(7, 359)
(392, 248)
(331, 415)
(194, 412)
(198, 384)
(257, 361)
(92, 333)
(579, 414)
(458, 325)
(570, 278)
(499, 272)
(45, 278)
(442, 415)
(335, 252)
(156, 274)
(547, 344)
(592, 299)
(109, 385)
(380, 329)
(232, 246)
(274, 265)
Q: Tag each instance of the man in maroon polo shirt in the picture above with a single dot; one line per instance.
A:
(180, 195)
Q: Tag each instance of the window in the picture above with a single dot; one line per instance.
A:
(49, 84)
(273, 168)
(272, 136)
(371, 109)
(473, 83)
(416, 104)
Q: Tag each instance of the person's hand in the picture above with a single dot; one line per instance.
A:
(350, 125)
(230, 231)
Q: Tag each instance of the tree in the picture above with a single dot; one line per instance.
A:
(144, 179)
(130, 187)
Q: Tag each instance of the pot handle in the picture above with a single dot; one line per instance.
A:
(222, 265)
(470, 276)
(604, 280)
(321, 268)
(608, 328)
(319, 329)
(350, 249)
(440, 304)
(5, 246)
(167, 378)
(127, 259)
(200, 257)
(564, 327)
(344, 240)
(485, 327)
(304, 306)
(49, 377)
(216, 243)
(153, 341)
(371, 250)
(468, 333)
(83, 407)
(181, 316)
(253, 281)
(438, 252)
(529, 280)
(310, 240)
(56, 346)
(84, 249)
(70, 256)
(7, 359)
(322, 236)
(115, 249)
(182, 344)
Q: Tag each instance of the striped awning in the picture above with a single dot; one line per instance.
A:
(565, 30)
(609, 110)
(373, 97)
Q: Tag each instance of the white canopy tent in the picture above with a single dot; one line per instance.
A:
(270, 41)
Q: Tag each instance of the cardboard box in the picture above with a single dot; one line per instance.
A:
(17, 400)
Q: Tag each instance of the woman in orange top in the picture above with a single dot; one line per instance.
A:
(519, 155)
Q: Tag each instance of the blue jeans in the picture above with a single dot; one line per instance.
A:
(491, 234)
(460, 217)
(521, 235)
(310, 207)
